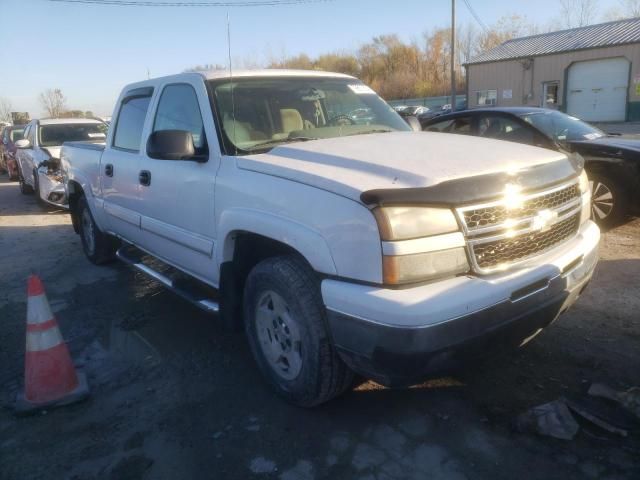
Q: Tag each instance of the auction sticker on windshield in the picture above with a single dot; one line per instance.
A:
(360, 89)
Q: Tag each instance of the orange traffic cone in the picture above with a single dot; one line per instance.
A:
(50, 379)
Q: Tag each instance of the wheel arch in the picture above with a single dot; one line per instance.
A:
(74, 192)
(622, 172)
(247, 238)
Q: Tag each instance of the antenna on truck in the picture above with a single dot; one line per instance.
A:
(233, 104)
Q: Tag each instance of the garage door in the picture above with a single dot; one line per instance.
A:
(597, 90)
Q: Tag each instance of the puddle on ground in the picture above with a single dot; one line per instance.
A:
(131, 346)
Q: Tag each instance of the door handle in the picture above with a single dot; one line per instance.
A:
(145, 178)
(108, 170)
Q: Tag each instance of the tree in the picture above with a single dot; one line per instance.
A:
(54, 102)
(71, 114)
(626, 9)
(399, 70)
(506, 28)
(631, 8)
(5, 110)
(577, 13)
(205, 67)
(88, 114)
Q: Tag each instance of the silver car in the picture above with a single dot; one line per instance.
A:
(38, 154)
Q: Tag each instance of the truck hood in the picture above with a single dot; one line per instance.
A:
(349, 166)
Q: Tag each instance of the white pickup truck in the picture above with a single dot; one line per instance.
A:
(341, 242)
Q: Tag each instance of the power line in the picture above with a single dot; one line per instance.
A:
(149, 3)
(476, 16)
(487, 30)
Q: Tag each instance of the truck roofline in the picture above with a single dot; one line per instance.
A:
(220, 74)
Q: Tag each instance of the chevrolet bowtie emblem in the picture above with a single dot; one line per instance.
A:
(544, 220)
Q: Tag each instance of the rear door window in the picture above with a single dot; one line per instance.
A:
(130, 123)
(504, 128)
(459, 125)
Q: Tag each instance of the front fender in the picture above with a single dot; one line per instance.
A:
(309, 243)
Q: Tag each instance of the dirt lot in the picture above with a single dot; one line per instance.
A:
(175, 397)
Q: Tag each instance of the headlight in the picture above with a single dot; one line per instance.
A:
(404, 223)
(420, 267)
(584, 182)
(420, 244)
(585, 190)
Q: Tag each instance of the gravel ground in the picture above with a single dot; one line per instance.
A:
(175, 397)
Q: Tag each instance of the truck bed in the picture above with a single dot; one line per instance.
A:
(81, 163)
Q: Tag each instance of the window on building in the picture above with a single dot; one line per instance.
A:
(486, 97)
(550, 94)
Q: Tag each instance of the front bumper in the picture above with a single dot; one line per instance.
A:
(399, 337)
(52, 190)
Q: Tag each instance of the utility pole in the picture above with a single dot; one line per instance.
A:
(453, 55)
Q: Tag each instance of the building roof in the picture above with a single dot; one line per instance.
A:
(608, 34)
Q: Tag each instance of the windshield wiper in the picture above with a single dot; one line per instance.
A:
(257, 146)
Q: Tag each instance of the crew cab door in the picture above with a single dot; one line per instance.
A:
(120, 165)
(177, 196)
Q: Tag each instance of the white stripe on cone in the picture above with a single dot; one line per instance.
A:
(39, 341)
(38, 309)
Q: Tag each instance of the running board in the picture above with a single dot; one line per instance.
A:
(134, 259)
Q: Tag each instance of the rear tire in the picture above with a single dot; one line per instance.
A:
(286, 325)
(99, 247)
(608, 200)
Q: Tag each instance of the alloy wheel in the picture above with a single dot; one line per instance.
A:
(602, 201)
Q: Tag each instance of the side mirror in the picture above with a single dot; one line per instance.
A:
(171, 145)
(22, 144)
(45, 163)
(413, 122)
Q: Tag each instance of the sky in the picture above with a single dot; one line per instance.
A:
(90, 52)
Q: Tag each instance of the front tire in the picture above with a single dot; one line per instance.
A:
(24, 188)
(99, 247)
(286, 325)
(608, 200)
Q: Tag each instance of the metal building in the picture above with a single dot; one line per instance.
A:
(591, 72)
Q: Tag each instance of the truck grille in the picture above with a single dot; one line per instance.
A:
(487, 216)
(499, 236)
(492, 254)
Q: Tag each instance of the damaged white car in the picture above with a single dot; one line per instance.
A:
(38, 154)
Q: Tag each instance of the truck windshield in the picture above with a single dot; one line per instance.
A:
(55, 135)
(258, 114)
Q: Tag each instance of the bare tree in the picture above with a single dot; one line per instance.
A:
(630, 8)
(577, 13)
(205, 67)
(5, 110)
(54, 102)
(626, 9)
